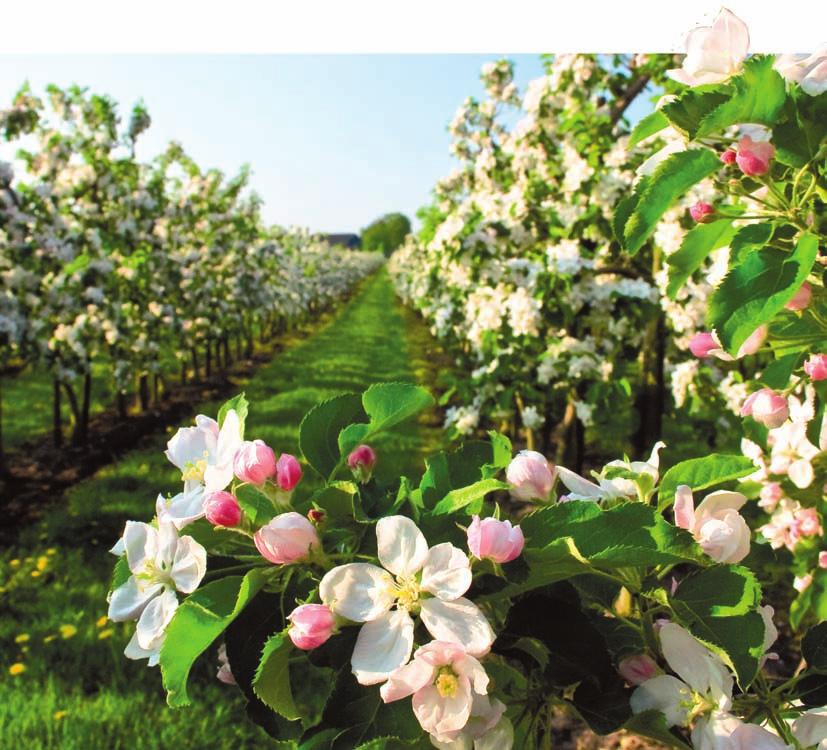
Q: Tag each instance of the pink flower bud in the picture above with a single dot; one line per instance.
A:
(766, 407)
(801, 299)
(288, 472)
(754, 342)
(495, 540)
(822, 559)
(816, 367)
(702, 212)
(530, 476)
(287, 538)
(254, 462)
(754, 157)
(638, 668)
(770, 496)
(222, 509)
(315, 516)
(728, 157)
(702, 344)
(361, 461)
(310, 626)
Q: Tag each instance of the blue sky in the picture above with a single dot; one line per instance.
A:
(334, 141)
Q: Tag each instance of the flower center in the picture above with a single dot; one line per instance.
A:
(154, 573)
(447, 683)
(194, 470)
(407, 593)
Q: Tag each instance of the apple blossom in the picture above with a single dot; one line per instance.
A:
(723, 731)
(809, 71)
(413, 580)
(811, 728)
(816, 367)
(728, 156)
(287, 538)
(311, 625)
(288, 472)
(702, 213)
(361, 461)
(822, 559)
(770, 495)
(160, 563)
(766, 407)
(443, 679)
(638, 668)
(714, 53)
(222, 509)
(792, 453)
(703, 344)
(488, 728)
(716, 524)
(254, 462)
(495, 540)
(530, 475)
(801, 299)
(754, 157)
(704, 680)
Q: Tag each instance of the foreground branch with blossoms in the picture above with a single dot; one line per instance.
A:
(335, 598)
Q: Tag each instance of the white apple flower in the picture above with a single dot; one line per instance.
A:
(204, 454)
(723, 731)
(705, 683)
(714, 53)
(618, 487)
(413, 580)
(792, 453)
(811, 728)
(488, 728)
(716, 524)
(161, 563)
(809, 71)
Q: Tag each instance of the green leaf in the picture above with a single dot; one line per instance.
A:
(449, 471)
(457, 499)
(719, 605)
(197, 622)
(502, 450)
(670, 180)
(697, 244)
(78, 264)
(757, 289)
(758, 95)
(272, 679)
(120, 573)
(255, 504)
(652, 725)
(777, 374)
(701, 473)
(653, 123)
(239, 403)
(748, 239)
(814, 647)
(688, 111)
(320, 428)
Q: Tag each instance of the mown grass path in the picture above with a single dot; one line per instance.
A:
(76, 689)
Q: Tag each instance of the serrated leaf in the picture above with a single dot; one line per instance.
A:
(652, 725)
(688, 111)
(670, 180)
(197, 622)
(255, 504)
(748, 239)
(758, 95)
(241, 406)
(320, 428)
(460, 498)
(120, 573)
(502, 449)
(272, 679)
(701, 473)
(757, 289)
(653, 123)
(697, 244)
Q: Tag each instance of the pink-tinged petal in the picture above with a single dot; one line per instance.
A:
(441, 716)
(684, 507)
(447, 572)
(382, 646)
(358, 591)
(715, 502)
(459, 621)
(407, 680)
(734, 34)
(801, 473)
(129, 600)
(154, 619)
(440, 653)
(666, 694)
(402, 548)
(467, 666)
(578, 486)
(189, 565)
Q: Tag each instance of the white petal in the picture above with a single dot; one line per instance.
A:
(459, 621)
(184, 508)
(133, 650)
(129, 600)
(579, 486)
(443, 716)
(140, 541)
(811, 727)
(218, 476)
(801, 473)
(447, 572)
(406, 680)
(499, 737)
(716, 502)
(358, 591)
(663, 693)
(382, 646)
(154, 619)
(188, 565)
(715, 732)
(401, 545)
(188, 445)
(695, 664)
(469, 667)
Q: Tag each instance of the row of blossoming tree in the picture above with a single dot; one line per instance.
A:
(495, 589)
(150, 268)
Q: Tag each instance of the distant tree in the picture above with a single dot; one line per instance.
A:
(386, 233)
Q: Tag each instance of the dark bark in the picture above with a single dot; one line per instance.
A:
(123, 408)
(194, 351)
(57, 426)
(143, 391)
(207, 360)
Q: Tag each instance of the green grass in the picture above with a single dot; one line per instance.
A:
(78, 690)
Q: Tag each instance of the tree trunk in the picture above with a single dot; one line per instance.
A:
(225, 343)
(156, 388)
(194, 351)
(183, 372)
(123, 409)
(86, 406)
(75, 408)
(207, 360)
(653, 391)
(57, 426)
(2, 451)
(143, 391)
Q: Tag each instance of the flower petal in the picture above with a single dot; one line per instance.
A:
(684, 507)
(718, 501)
(154, 619)
(579, 487)
(407, 680)
(189, 565)
(442, 716)
(695, 664)
(459, 621)
(133, 650)
(129, 600)
(401, 545)
(447, 572)
(383, 645)
(140, 542)
(666, 694)
(358, 591)
(184, 508)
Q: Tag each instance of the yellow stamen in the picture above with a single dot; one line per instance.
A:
(447, 684)
(194, 470)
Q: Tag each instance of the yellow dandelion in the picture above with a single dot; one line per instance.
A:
(16, 669)
(42, 563)
(101, 621)
(67, 631)
(22, 638)
(36, 574)
(58, 715)
(49, 638)
(15, 563)
(51, 551)
(104, 634)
